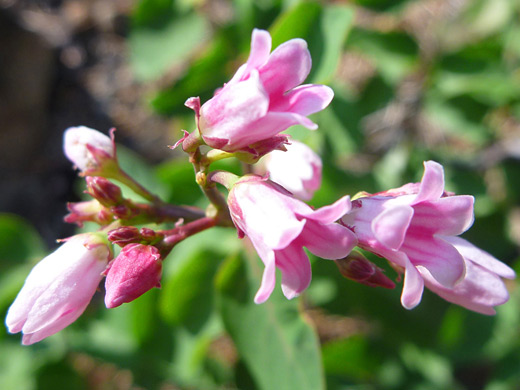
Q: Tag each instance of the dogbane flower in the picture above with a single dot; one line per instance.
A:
(279, 226)
(298, 169)
(263, 98)
(59, 288)
(415, 227)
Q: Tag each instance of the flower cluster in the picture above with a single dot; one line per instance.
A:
(415, 227)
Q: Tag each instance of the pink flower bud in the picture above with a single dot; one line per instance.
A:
(104, 191)
(416, 227)
(124, 235)
(136, 270)
(279, 226)
(87, 148)
(358, 268)
(59, 288)
(88, 211)
(298, 169)
(263, 98)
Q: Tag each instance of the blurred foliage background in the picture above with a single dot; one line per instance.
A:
(413, 80)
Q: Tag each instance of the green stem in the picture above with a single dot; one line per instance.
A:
(131, 183)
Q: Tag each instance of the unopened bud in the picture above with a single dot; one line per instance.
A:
(136, 270)
(358, 268)
(122, 211)
(150, 236)
(89, 211)
(104, 191)
(88, 148)
(124, 235)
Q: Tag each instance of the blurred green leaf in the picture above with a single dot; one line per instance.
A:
(187, 296)
(395, 54)
(207, 73)
(353, 357)
(334, 25)
(17, 367)
(19, 241)
(162, 38)
(296, 22)
(141, 171)
(279, 348)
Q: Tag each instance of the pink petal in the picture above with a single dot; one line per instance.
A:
(432, 183)
(330, 213)
(60, 323)
(448, 216)
(287, 67)
(296, 270)
(303, 100)
(391, 225)
(260, 204)
(440, 258)
(260, 49)
(480, 290)
(70, 293)
(266, 127)
(229, 114)
(331, 241)
(480, 257)
(413, 285)
(269, 275)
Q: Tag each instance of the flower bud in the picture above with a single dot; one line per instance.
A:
(136, 270)
(124, 235)
(59, 288)
(104, 191)
(87, 148)
(359, 269)
(88, 211)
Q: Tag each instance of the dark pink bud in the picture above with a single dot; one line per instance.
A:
(136, 270)
(104, 191)
(150, 236)
(124, 235)
(122, 211)
(359, 269)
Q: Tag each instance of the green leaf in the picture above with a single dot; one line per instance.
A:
(279, 348)
(296, 22)
(334, 25)
(208, 72)
(141, 171)
(324, 28)
(162, 38)
(395, 54)
(19, 241)
(187, 296)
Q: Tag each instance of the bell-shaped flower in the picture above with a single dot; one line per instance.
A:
(298, 169)
(87, 148)
(59, 288)
(263, 98)
(279, 226)
(415, 228)
(136, 270)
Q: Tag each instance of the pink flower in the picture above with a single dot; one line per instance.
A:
(136, 270)
(415, 228)
(263, 98)
(279, 226)
(59, 288)
(298, 169)
(87, 148)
